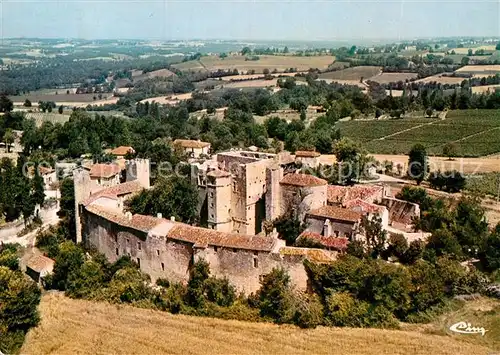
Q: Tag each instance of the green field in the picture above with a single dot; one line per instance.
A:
(53, 117)
(473, 132)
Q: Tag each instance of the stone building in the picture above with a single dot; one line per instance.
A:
(239, 190)
(105, 175)
(307, 159)
(194, 149)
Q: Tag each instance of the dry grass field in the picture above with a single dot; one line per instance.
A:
(355, 73)
(386, 78)
(485, 89)
(161, 73)
(466, 50)
(271, 62)
(442, 79)
(168, 100)
(252, 84)
(480, 69)
(81, 327)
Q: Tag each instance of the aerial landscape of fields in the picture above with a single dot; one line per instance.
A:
(249, 177)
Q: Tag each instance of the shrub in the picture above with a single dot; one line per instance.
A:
(414, 252)
(343, 310)
(163, 282)
(128, 285)
(397, 246)
(69, 260)
(85, 281)
(172, 299)
(220, 291)
(200, 272)
(275, 297)
(308, 311)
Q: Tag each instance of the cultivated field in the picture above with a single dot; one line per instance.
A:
(161, 73)
(442, 79)
(473, 132)
(53, 117)
(355, 73)
(271, 62)
(386, 78)
(60, 97)
(81, 327)
(464, 50)
(260, 83)
(485, 89)
(168, 100)
(480, 69)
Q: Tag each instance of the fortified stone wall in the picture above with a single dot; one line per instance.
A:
(172, 259)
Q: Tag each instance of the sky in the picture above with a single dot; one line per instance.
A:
(248, 19)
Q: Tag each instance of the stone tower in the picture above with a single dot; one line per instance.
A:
(139, 169)
(83, 190)
(219, 201)
(274, 174)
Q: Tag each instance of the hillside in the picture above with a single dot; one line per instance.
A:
(81, 327)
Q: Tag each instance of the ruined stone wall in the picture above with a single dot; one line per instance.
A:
(139, 169)
(301, 200)
(244, 268)
(401, 211)
(83, 188)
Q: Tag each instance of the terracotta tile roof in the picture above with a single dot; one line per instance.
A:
(39, 263)
(122, 150)
(366, 207)
(203, 237)
(104, 170)
(316, 255)
(138, 222)
(218, 173)
(302, 180)
(42, 169)
(306, 154)
(336, 213)
(337, 243)
(188, 143)
(343, 194)
(126, 188)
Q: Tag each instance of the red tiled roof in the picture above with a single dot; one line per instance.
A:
(39, 263)
(137, 221)
(337, 243)
(302, 180)
(122, 150)
(104, 170)
(126, 188)
(188, 143)
(306, 154)
(204, 237)
(336, 213)
(343, 194)
(365, 206)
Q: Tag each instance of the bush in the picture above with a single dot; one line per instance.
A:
(397, 246)
(86, 281)
(172, 299)
(343, 310)
(129, 285)
(275, 297)
(308, 311)
(163, 282)
(69, 260)
(220, 291)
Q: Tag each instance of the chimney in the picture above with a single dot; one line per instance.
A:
(327, 228)
(172, 218)
(159, 215)
(129, 216)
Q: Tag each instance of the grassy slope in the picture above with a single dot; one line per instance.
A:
(82, 327)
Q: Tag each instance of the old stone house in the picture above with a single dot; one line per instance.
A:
(194, 149)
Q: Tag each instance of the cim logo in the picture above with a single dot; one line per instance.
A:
(467, 328)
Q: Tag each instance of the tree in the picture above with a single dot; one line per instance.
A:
(375, 234)
(286, 50)
(200, 272)
(470, 52)
(67, 208)
(490, 256)
(497, 46)
(417, 163)
(429, 112)
(465, 61)
(69, 260)
(450, 150)
(8, 138)
(171, 196)
(275, 296)
(6, 105)
(246, 51)
(38, 187)
(19, 297)
(27, 103)
(60, 110)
